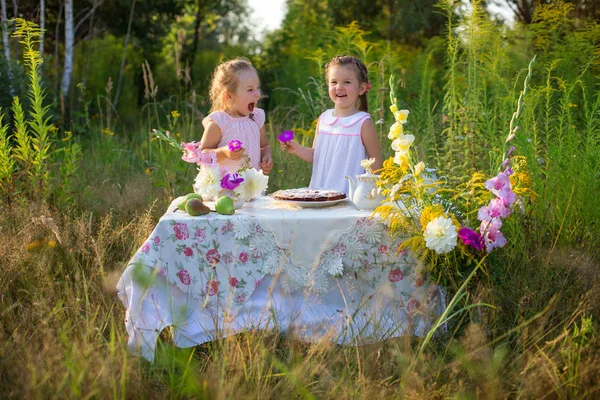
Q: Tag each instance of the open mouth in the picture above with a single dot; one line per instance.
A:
(341, 95)
(251, 107)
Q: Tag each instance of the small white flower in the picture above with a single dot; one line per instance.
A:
(419, 168)
(367, 163)
(440, 235)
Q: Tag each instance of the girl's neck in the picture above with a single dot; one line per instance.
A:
(345, 112)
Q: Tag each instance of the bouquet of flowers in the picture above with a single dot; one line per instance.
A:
(436, 221)
(213, 180)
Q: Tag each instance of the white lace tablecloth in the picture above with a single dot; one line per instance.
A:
(328, 272)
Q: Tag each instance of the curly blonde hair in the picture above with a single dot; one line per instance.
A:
(225, 80)
(361, 73)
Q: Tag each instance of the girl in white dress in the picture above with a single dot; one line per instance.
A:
(345, 135)
(234, 92)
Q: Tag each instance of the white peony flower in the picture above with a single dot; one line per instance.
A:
(440, 235)
(254, 184)
(208, 182)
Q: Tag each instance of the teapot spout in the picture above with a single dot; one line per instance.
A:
(352, 185)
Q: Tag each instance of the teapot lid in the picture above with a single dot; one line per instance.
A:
(368, 175)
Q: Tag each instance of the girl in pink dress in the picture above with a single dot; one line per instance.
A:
(345, 135)
(234, 92)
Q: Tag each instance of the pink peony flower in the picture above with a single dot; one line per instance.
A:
(212, 287)
(256, 284)
(200, 235)
(240, 298)
(146, 247)
(396, 275)
(471, 238)
(188, 252)
(184, 277)
(233, 282)
(243, 257)
(383, 249)
(412, 306)
(163, 272)
(181, 231)
(213, 256)
(156, 240)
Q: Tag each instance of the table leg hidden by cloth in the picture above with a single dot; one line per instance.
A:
(326, 273)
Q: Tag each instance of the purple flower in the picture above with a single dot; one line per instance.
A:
(231, 181)
(471, 238)
(510, 151)
(235, 145)
(286, 136)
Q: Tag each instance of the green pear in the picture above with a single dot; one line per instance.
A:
(181, 205)
(195, 207)
(224, 205)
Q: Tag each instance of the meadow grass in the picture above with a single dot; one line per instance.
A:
(61, 324)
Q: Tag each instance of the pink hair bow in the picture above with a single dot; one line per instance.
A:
(368, 87)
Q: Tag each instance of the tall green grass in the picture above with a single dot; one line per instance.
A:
(61, 325)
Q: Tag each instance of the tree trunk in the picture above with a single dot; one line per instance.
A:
(68, 65)
(124, 52)
(6, 44)
(199, 18)
(42, 26)
(16, 15)
(56, 41)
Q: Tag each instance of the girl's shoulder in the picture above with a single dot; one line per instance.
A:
(221, 118)
(328, 119)
(259, 116)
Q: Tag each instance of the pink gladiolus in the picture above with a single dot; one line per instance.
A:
(492, 237)
(471, 238)
(235, 145)
(285, 136)
(191, 152)
(510, 151)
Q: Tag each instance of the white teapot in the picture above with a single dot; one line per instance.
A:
(363, 191)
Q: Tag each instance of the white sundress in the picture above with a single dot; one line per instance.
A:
(245, 129)
(338, 151)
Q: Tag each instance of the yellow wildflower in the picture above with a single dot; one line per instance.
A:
(419, 168)
(33, 245)
(430, 213)
(393, 108)
(51, 243)
(68, 137)
(175, 114)
(108, 132)
(147, 171)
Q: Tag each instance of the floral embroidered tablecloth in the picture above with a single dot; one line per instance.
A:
(218, 261)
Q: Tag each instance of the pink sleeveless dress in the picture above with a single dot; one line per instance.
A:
(244, 129)
(338, 151)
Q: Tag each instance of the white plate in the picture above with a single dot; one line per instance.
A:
(312, 204)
